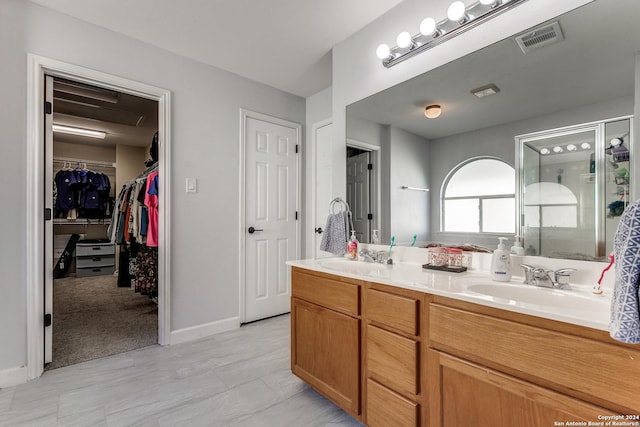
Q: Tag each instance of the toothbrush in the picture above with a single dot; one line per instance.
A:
(597, 289)
(415, 236)
(393, 239)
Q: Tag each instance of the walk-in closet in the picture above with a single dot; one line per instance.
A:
(102, 173)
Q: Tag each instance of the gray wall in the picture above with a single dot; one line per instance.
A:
(498, 141)
(205, 132)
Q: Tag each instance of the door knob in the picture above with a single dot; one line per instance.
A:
(253, 230)
(319, 230)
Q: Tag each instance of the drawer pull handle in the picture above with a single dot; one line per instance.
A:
(97, 269)
(96, 248)
(96, 258)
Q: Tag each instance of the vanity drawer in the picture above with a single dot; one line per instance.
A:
(336, 295)
(386, 408)
(398, 312)
(393, 360)
(575, 365)
(89, 249)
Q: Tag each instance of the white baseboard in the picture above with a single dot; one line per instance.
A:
(201, 331)
(13, 376)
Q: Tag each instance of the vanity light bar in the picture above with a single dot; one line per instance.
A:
(433, 33)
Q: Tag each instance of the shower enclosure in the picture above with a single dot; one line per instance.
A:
(573, 185)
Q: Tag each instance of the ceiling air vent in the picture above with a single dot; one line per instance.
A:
(540, 37)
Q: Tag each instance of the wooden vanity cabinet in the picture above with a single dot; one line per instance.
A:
(325, 336)
(499, 368)
(393, 362)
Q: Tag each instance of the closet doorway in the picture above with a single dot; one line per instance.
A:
(363, 187)
(101, 160)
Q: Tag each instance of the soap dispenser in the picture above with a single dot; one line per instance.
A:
(352, 246)
(517, 248)
(501, 263)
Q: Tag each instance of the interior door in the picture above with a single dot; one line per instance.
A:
(359, 195)
(323, 184)
(48, 224)
(271, 203)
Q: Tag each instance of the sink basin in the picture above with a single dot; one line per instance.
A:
(354, 267)
(569, 300)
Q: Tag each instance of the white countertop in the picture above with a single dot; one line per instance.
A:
(578, 306)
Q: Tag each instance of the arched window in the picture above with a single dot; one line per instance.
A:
(478, 196)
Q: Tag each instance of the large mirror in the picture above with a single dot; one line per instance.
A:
(577, 68)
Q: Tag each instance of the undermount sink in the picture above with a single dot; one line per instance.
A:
(354, 267)
(570, 300)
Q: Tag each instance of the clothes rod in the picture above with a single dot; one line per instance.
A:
(404, 187)
(84, 162)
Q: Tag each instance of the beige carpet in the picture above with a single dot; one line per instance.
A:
(94, 318)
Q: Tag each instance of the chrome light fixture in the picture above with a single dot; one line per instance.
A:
(460, 18)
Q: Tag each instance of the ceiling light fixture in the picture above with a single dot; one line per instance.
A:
(558, 149)
(545, 151)
(79, 131)
(585, 146)
(459, 19)
(432, 111)
(571, 147)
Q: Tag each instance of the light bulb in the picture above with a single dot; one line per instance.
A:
(383, 51)
(456, 11)
(571, 147)
(545, 151)
(557, 149)
(404, 40)
(428, 26)
(488, 2)
(616, 141)
(585, 146)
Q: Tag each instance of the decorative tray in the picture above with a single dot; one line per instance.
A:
(444, 268)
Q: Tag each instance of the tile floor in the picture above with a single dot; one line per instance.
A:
(238, 378)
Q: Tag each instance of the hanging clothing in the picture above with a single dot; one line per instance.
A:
(151, 201)
(625, 302)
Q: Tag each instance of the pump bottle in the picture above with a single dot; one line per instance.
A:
(501, 263)
(352, 246)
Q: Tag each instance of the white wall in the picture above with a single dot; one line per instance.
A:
(205, 135)
(358, 73)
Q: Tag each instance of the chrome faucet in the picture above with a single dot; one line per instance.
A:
(367, 256)
(538, 276)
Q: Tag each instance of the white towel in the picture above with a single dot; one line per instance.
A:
(334, 238)
(625, 304)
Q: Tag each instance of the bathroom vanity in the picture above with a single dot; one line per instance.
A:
(398, 346)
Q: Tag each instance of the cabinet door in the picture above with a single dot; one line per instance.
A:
(325, 352)
(473, 395)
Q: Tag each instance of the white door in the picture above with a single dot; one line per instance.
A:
(358, 194)
(323, 181)
(271, 204)
(48, 224)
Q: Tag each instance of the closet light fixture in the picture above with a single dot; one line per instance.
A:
(460, 18)
(79, 131)
(432, 111)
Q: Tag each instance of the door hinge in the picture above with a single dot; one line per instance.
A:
(48, 107)
(47, 320)
(370, 166)
(47, 214)
(369, 216)
(297, 148)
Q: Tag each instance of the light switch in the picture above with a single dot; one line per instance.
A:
(192, 185)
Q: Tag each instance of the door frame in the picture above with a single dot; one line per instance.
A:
(376, 161)
(244, 115)
(37, 67)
